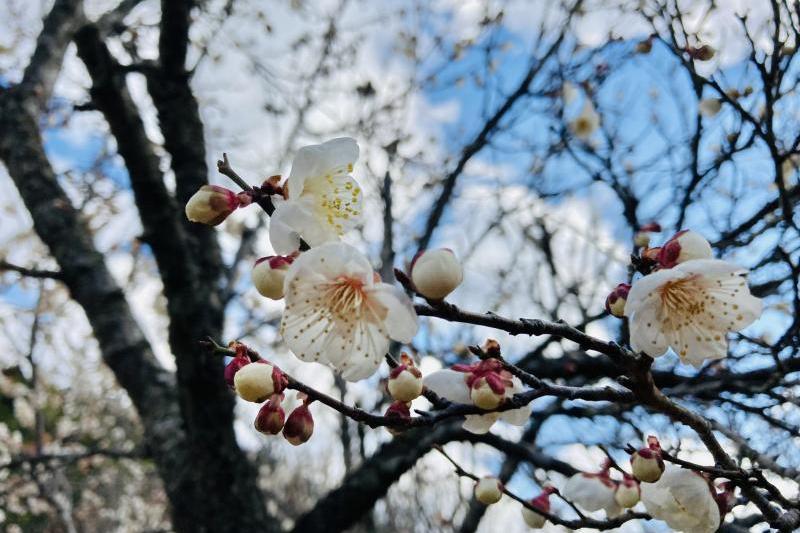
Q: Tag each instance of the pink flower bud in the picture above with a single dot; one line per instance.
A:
(397, 410)
(299, 426)
(271, 417)
(212, 204)
(405, 381)
(233, 367)
(647, 463)
(488, 490)
(268, 275)
(615, 302)
(684, 246)
(542, 502)
(436, 273)
(627, 494)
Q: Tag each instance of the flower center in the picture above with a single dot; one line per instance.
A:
(344, 296)
(682, 299)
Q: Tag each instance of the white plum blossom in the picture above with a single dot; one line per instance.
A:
(684, 500)
(690, 308)
(452, 386)
(338, 313)
(321, 199)
(593, 492)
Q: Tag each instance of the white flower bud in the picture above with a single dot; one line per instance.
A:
(647, 466)
(436, 273)
(212, 204)
(627, 494)
(641, 239)
(254, 382)
(405, 383)
(488, 490)
(533, 519)
(684, 246)
(484, 396)
(268, 275)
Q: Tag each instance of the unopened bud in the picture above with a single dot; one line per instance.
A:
(436, 273)
(271, 417)
(542, 502)
(627, 493)
(491, 348)
(299, 426)
(641, 239)
(684, 246)
(484, 395)
(708, 107)
(615, 301)
(212, 204)
(644, 47)
(488, 490)
(400, 411)
(253, 382)
(233, 367)
(701, 53)
(268, 275)
(646, 463)
(405, 381)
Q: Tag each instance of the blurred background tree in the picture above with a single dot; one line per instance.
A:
(468, 114)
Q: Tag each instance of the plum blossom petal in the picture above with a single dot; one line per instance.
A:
(322, 199)
(683, 499)
(337, 314)
(690, 308)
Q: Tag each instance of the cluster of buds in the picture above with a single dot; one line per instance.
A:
(647, 463)
(541, 502)
(260, 381)
(488, 490)
(487, 381)
(212, 204)
(436, 273)
(269, 273)
(405, 380)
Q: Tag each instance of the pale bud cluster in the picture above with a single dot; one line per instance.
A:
(436, 273)
(260, 381)
(641, 239)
